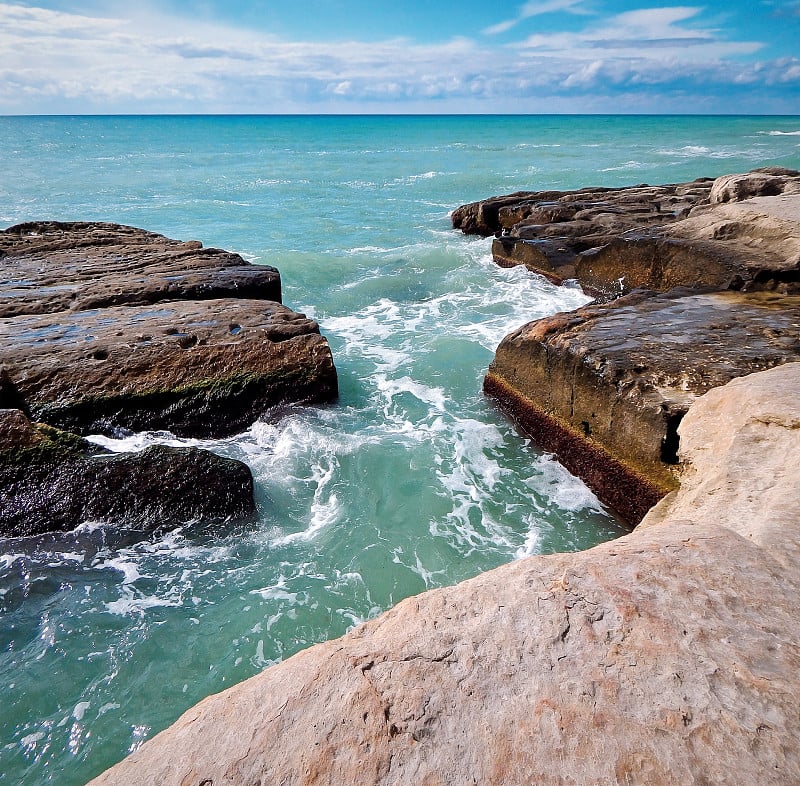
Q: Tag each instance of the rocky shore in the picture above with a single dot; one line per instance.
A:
(697, 283)
(667, 656)
(106, 328)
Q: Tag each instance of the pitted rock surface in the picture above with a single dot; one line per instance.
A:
(195, 342)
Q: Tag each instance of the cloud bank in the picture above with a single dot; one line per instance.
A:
(144, 61)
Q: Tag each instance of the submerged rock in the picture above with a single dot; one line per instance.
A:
(53, 481)
(605, 387)
(668, 656)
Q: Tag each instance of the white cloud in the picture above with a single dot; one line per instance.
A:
(146, 61)
(655, 30)
(532, 9)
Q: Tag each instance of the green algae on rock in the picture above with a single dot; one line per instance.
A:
(53, 480)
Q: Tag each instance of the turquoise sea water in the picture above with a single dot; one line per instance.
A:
(412, 480)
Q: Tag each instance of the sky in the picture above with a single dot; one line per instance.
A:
(399, 56)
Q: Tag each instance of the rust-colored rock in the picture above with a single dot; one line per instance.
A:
(668, 656)
(606, 386)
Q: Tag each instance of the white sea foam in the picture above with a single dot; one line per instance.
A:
(80, 710)
(780, 133)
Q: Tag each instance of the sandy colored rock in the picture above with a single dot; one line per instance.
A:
(668, 656)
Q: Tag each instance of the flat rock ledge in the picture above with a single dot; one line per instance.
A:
(735, 232)
(606, 386)
(697, 283)
(668, 656)
(107, 328)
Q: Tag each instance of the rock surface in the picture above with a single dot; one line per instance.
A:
(51, 266)
(668, 656)
(605, 387)
(106, 327)
(53, 480)
(174, 355)
(657, 237)
(196, 368)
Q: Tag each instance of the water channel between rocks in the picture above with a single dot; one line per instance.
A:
(412, 480)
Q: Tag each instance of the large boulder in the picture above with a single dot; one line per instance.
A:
(668, 656)
(53, 481)
(605, 387)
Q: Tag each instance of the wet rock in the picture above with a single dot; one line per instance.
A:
(668, 656)
(53, 481)
(658, 237)
(605, 387)
(196, 368)
(51, 266)
(196, 342)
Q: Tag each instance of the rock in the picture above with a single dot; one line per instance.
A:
(54, 481)
(51, 266)
(668, 656)
(606, 386)
(196, 368)
(658, 237)
(723, 443)
(768, 181)
(111, 327)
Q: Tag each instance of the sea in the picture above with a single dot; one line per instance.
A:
(411, 480)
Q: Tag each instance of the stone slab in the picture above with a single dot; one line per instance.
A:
(605, 387)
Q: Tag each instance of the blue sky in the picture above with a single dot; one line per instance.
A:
(427, 56)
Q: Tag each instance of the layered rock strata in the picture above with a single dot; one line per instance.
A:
(668, 656)
(105, 327)
(605, 387)
(703, 279)
(658, 237)
(53, 480)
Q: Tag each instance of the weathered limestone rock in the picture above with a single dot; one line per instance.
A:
(605, 387)
(194, 342)
(668, 656)
(50, 266)
(54, 481)
(657, 237)
(196, 368)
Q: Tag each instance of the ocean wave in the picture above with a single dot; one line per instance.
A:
(780, 133)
